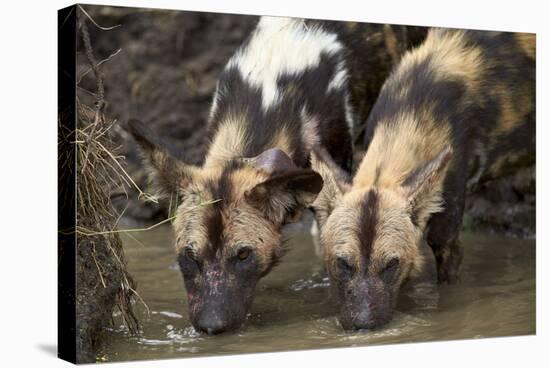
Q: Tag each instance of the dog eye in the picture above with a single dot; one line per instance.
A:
(188, 261)
(394, 262)
(345, 269)
(243, 253)
(292, 215)
(189, 251)
(388, 273)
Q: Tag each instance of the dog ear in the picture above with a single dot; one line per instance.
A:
(423, 187)
(336, 182)
(169, 173)
(287, 188)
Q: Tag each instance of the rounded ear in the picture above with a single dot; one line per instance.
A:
(169, 173)
(336, 182)
(272, 161)
(424, 185)
(285, 192)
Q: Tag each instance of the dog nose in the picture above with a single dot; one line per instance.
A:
(213, 331)
(211, 324)
(368, 319)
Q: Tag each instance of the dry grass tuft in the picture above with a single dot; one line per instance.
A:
(94, 184)
(103, 279)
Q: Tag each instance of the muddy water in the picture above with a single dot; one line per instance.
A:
(293, 308)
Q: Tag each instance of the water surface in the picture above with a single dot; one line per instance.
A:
(294, 309)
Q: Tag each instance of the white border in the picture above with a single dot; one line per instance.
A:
(28, 180)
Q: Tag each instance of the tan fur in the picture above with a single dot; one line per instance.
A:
(514, 105)
(310, 131)
(397, 149)
(455, 60)
(257, 197)
(391, 43)
(229, 141)
(374, 228)
(334, 185)
(414, 143)
(244, 180)
(396, 237)
(189, 223)
(174, 174)
(527, 42)
(265, 238)
(395, 234)
(404, 90)
(394, 153)
(282, 141)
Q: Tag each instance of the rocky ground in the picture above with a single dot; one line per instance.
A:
(507, 205)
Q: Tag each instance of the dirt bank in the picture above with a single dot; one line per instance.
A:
(99, 282)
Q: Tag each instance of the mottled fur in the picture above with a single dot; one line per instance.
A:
(284, 91)
(374, 50)
(457, 106)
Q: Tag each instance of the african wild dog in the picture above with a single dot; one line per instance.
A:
(459, 107)
(283, 91)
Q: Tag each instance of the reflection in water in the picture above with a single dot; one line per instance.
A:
(294, 308)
